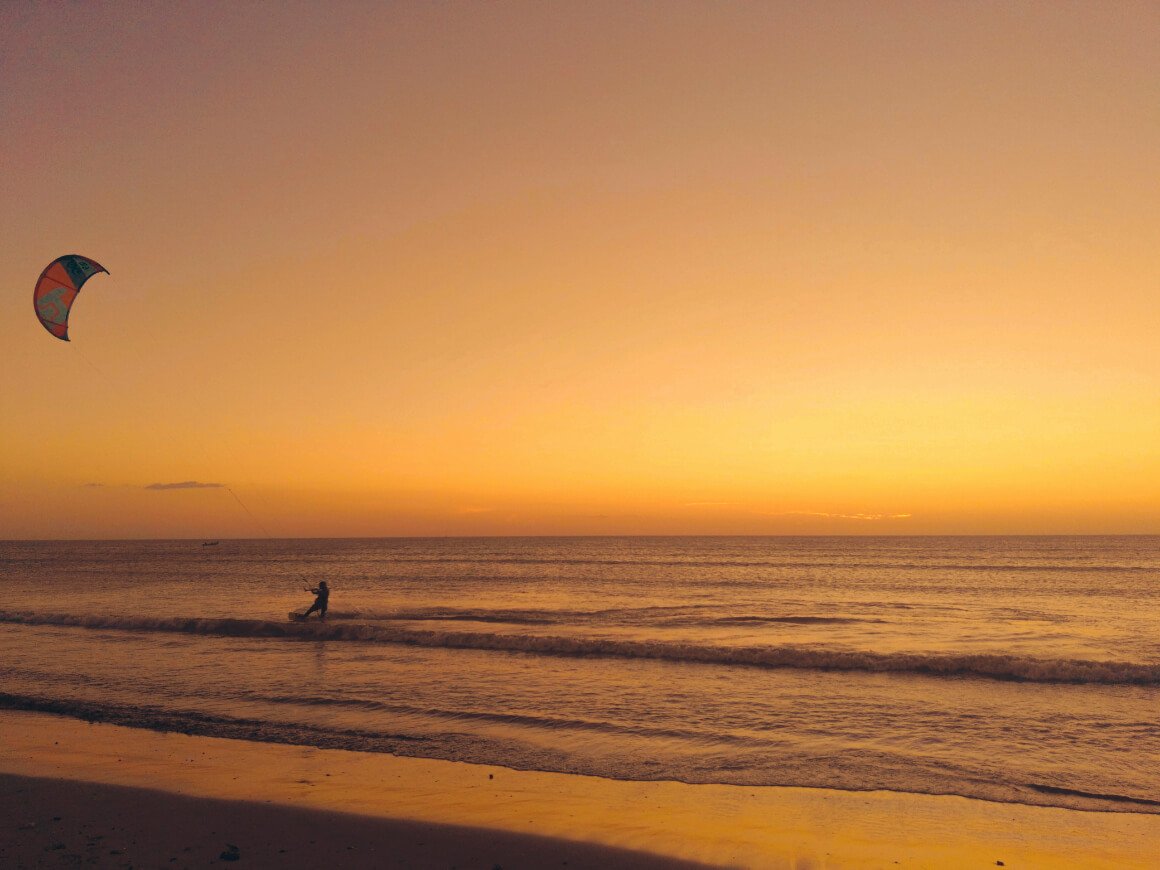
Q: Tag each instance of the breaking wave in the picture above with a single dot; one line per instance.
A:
(989, 666)
(664, 616)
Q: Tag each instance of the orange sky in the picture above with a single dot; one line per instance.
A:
(528, 268)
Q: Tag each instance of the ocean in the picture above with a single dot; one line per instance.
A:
(1012, 669)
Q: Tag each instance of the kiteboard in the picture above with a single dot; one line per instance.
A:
(295, 616)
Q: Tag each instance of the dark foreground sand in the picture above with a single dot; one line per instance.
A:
(57, 823)
(80, 795)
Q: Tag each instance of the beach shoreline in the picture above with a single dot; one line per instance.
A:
(213, 792)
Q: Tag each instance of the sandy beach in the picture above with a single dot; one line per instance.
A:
(63, 823)
(99, 795)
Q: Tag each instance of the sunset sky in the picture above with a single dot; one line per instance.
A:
(582, 268)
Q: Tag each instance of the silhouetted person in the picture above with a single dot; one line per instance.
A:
(321, 600)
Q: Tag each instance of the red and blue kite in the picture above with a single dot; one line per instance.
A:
(57, 289)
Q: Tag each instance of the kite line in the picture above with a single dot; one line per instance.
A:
(257, 522)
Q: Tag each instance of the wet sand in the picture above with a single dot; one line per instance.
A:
(58, 823)
(76, 794)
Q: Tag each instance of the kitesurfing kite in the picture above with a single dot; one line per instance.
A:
(57, 289)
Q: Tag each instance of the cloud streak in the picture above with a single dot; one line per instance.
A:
(830, 516)
(186, 484)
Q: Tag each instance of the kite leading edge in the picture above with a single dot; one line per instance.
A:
(57, 289)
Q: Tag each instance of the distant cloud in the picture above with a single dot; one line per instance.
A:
(186, 484)
(829, 516)
(712, 504)
(87, 485)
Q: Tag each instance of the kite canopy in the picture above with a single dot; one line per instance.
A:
(57, 288)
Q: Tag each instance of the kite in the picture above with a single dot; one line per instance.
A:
(57, 289)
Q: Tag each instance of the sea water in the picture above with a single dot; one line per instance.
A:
(1003, 668)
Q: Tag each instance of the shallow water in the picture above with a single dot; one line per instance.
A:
(1013, 669)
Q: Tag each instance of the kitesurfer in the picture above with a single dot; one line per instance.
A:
(321, 600)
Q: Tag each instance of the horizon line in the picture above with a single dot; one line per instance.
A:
(580, 536)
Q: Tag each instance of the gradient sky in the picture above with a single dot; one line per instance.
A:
(538, 268)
